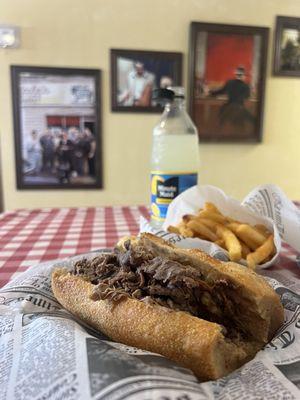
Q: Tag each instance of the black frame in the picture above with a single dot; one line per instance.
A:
(116, 53)
(16, 70)
(196, 27)
(281, 24)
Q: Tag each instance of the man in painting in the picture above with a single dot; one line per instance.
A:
(140, 84)
(237, 91)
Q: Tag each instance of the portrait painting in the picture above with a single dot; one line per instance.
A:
(136, 74)
(57, 127)
(227, 81)
(287, 47)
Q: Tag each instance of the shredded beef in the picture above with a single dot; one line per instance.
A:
(139, 274)
(98, 268)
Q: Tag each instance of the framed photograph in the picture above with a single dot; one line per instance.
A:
(57, 127)
(227, 73)
(135, 74)
(287, 47)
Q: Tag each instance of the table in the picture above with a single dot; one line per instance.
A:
(29, 237)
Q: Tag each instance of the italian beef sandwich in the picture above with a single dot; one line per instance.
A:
(207, 315)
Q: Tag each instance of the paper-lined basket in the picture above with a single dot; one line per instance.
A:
(261, 206)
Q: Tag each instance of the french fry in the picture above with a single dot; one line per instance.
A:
(231, 220)
(211, 207)
(251, 263)
(188, 217)
(221, 243)
(209, 223)
(233, 226)
(253, 234)
(261, 253)
(185, 231)
(231, 242)
(213, 216)
(179, 229)
(263, 230)
(173, 229)
(245, 250)
(197, 227)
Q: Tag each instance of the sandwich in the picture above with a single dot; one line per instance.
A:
(205, 314)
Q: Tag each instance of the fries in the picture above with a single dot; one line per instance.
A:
(173, 229)
(186, 232)
(221, 243)
(209, 223)
(263, 230)
(188, 217)
(213, 216)
(231, 243)
(250, 233)
(181, 229)
(255, 244)
(211, 207)
(242, 235)
(199, 228)
(261, 253)
(245, 250)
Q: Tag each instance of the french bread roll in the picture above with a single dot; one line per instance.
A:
(238, 312)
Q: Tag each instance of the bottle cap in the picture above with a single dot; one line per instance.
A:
(178, 91)
(161, 95)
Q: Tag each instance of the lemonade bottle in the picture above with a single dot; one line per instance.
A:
(175, 156)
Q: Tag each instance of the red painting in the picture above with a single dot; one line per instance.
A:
(227, 83)
(225, 53)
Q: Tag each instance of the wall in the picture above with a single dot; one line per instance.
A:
(80, 33)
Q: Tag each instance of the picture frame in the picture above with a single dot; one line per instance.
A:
(57, 127)
(227, 77)
(135, 73)
(286, 61)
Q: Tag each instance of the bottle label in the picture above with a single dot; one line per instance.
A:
(165, 187)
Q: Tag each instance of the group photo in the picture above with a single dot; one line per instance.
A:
(57, 133)
(59, 155)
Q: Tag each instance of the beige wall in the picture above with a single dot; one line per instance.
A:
(79, 33)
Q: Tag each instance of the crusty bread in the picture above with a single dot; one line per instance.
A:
(190, 341)
(194, 343)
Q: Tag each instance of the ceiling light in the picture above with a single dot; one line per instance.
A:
(9, 37)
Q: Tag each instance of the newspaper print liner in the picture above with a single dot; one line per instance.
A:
(46, 353)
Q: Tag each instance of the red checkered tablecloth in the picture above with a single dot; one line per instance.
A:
(28, 237)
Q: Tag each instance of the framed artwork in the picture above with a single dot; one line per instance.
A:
(135, 74)
(57, 127)
(227, 73)
(287, 47)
